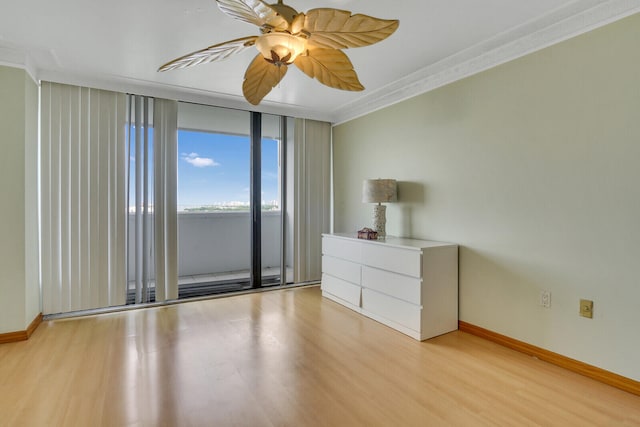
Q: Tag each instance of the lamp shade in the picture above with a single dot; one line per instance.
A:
(285, 46)
(379, 190)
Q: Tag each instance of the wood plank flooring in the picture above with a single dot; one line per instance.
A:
(283, 358)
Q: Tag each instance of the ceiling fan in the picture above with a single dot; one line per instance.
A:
(312, 41)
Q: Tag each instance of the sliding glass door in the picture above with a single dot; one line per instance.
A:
(229, 200)
(229, 189)
(276, 253)
(214, 181)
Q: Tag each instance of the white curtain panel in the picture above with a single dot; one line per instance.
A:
(83, 198)
(312, 197)
(165, 153)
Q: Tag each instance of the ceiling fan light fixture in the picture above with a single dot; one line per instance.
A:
(313, 41)
(281, 48)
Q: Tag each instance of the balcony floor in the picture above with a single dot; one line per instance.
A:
(191, 286)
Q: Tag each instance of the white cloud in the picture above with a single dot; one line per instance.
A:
(199, 162)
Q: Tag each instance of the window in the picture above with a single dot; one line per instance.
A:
(213, 173)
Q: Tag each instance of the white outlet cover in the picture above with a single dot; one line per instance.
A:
(545, 299)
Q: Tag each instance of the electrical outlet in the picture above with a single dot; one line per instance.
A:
(586, 308)
(545, 299)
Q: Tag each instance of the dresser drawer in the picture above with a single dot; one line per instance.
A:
(342, 248)
(403, 261)
(341, 269)
(342, 289)
(402, 287)
(393, 309)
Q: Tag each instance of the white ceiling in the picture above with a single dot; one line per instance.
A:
(119, 44)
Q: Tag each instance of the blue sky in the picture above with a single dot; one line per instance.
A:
(214, 168)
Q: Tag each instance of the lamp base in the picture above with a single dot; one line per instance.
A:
(380, 219)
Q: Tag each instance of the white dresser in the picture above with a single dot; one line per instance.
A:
(410, 285)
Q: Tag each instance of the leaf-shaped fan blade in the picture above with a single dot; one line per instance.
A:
(338, 29)
(216, 52)
(298, 23)
(254, 12)
(331, 67)
(260, 78)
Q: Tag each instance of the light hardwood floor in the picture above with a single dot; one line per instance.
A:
(283, 358)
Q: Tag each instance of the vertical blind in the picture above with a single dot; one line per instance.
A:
(312, 197)
(102, 151)
(83, 198)
(139, 146)
(152, 144)
(165, 154)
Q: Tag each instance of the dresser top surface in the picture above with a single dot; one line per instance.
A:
(400, 242)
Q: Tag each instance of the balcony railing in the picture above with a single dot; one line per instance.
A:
(216, 245)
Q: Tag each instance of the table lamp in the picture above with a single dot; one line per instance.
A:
(379, 191)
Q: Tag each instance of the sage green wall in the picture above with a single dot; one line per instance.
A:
(19, 287)
(533, 167)
(33, 305)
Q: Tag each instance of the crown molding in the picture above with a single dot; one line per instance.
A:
(561, 24)
(17, 59)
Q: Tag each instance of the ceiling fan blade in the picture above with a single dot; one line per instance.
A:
(297, 24)
(216, 52)
(260, 78)
(338, 29)
(330, 67)
(254, 12)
